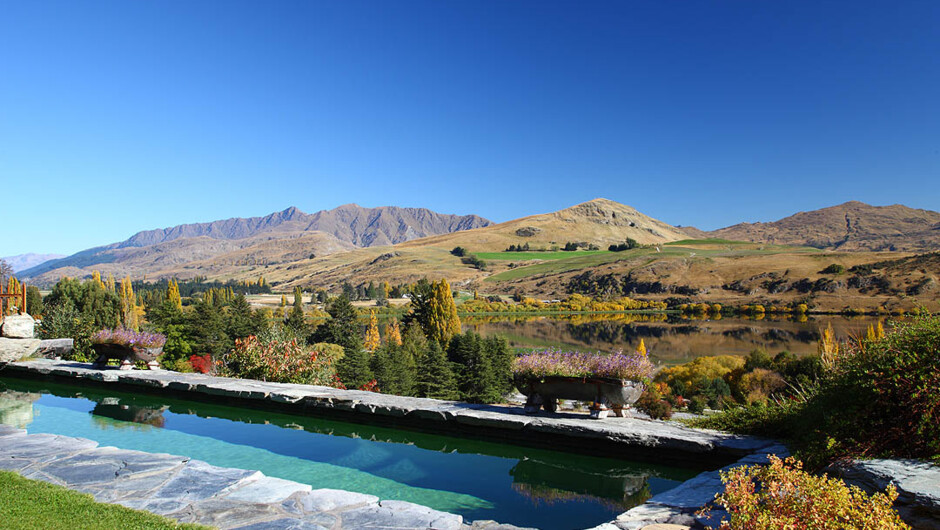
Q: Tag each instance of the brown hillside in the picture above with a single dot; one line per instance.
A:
(600, 221)
(851, 226)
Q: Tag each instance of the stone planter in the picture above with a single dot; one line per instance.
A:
(127, 355)
(603, 392)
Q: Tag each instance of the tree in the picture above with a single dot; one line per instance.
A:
(435, 379)
(343, 329)
(295, 320)
(394, 369)
(641, 348)
(129, 310)
(173, 294)
(207, 327)
(372, 342)
(33, 301)
(483, 366)
(6, 270)
(242, 321)
(392, 333)
(442, 320)
(459, 252)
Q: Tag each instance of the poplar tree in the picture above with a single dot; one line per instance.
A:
(392, 333)
(173, 294)
(128, 303)
(442, 320)
(641, 348)
(372, 340)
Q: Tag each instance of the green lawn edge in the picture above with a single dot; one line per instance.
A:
(27, 504)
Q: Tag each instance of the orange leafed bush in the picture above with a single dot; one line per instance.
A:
(783, 496)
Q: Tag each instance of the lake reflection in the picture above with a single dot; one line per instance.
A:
(670, 339)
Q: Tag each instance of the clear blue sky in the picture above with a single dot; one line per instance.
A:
(121, 116)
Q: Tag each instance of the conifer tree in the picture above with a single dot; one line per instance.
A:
(371, 342)
(343, 329)
(295, 320)
(435, 379)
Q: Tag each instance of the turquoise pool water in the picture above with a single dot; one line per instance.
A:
(477, 479)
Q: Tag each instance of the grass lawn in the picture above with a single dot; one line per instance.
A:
(527, 256)
(30, 504)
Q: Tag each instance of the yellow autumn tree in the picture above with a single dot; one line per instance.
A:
(392, 333)
(96, 278)
(386, 289)
(443, 322)
(128, 304)
(641, 348)
(110, 283)
(879, 331)
(173, 294)
(371, 342)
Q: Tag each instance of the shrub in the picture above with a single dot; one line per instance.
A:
(284, 362)
(835, 268)
(782, 495)
(653, 402)
(759, 384)
(459, 252)
(877, 399)
(64, 321)
(686, 377)
(200, 363)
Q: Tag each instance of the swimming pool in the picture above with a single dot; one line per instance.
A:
(476, 479)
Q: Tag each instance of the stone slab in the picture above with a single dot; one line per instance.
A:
(15, 349)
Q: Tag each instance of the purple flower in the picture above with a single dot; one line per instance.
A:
(552, 362)
(127, 337)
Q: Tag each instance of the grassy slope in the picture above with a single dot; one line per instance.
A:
(690, 249)
(29, 504)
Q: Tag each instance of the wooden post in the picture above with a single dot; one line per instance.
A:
(23, 307)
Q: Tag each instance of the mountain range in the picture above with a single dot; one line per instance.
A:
(250, 240)
(400, 245)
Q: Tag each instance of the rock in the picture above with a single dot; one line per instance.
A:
(326, 500)
(18, 327)
(52, 348)
(16, 349)
(917, 482)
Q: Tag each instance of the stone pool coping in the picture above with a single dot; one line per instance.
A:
(193, 491)
(632, 438)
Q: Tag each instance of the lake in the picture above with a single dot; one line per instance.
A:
(670, 339)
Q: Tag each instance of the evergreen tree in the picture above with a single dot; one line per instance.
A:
(33, 301)
(295, 320)
(435, 379)
(242, 321)
(343, 329)
(483, 367)
(207, 327)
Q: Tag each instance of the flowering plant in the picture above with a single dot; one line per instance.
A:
(277, 361)
(129, 338)
(618, 365)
